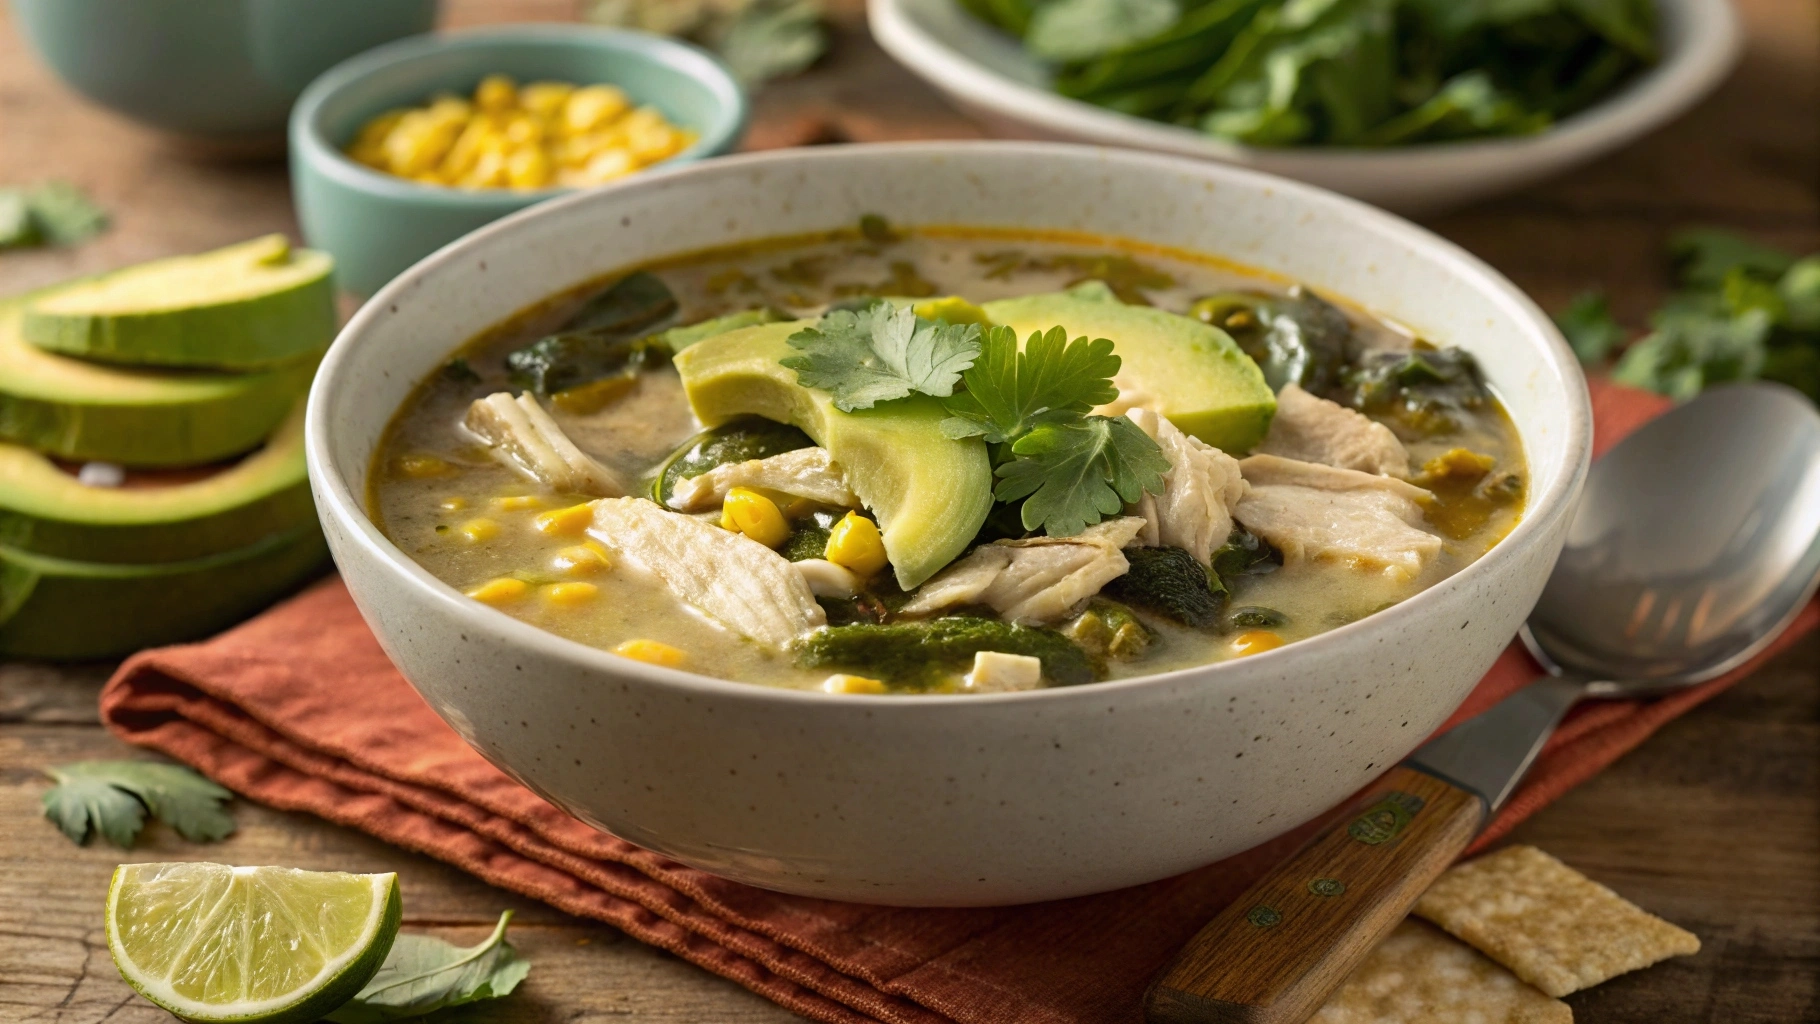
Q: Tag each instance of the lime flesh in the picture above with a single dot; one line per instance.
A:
(209, 942)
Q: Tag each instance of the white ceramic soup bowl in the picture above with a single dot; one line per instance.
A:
(948, 800)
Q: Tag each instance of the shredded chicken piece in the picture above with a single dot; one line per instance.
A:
(522, 435)
(996, 672)
(1313, 429)
(1032, 581)
(826, 579)
(1194, 512)
(803, 473)
(730, 578)
(1312, 511)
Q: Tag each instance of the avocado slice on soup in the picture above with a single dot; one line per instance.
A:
(164, 516)
(1195, 373)
(930, 493)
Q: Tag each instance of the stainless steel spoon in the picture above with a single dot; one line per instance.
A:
(1696, 544)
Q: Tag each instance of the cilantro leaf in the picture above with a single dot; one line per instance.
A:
(1075, 470)
(881, 353)
(423, 974)
(112, 798)
(1589, 328)
(1703, 256)
(1007, 389)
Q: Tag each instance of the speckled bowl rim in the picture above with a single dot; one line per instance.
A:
(310, 137)
(1541, 512)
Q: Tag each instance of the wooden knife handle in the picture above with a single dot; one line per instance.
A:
(1276, 953)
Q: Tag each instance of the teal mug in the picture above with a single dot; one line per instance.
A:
(215, 71)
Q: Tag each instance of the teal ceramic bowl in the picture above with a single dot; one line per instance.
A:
(216, 71)
(376, 225)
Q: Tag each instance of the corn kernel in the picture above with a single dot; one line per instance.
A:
(608, 165)
(652, 652)
(569, 595)
(582, 560)
(466, 149)
(528, 168)
(592, 106)
(496, 94)
(453, 503)
(489, 170)
(517, 502)
(479, 531)
(545, 99)
(375, 131)
(423, 467)
(651, 143)
(523, 130)
(566, 522)
(754, 515)
(418, 143)
(855, 543)
(449, 108)
(840, 682)
(503, 590)
(1255, 641)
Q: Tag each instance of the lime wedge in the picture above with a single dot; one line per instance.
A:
(209, 942)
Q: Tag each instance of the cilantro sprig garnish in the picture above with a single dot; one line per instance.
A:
(880, 353)
(1007, 389)
(1069, 468)
(1073, 470)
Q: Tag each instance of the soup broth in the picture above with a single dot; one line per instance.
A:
(444, 494)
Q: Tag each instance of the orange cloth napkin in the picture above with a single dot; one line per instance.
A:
(299, 709)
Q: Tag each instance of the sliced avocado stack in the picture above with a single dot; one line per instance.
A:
(180, 383)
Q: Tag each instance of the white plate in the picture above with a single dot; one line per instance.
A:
(988, 75)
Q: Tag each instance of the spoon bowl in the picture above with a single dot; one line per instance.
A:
(1665, 583)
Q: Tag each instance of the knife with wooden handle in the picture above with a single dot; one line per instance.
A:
(1275, 954)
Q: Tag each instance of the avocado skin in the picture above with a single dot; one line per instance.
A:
(61, 610)
(1194, 372)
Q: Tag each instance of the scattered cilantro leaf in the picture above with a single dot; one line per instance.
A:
(1703, 256)
(55, 213)
(1588, 325)
(1008, 389)
(113, 798)
(880, 353)
(1690, 350)
(423, 974)
(1072, 471)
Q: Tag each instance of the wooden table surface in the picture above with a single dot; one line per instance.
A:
(1715, 823)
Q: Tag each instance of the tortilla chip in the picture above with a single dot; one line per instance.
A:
(1552, 926)
(1419, 975)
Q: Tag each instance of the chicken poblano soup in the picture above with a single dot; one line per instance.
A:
(946, 461)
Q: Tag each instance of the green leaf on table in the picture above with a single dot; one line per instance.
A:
(1589, 327)
(882, 353)
(772, 38)
(1692, 348)
(64, 214)
(423, 974)
(1703, 256)
(1006, 389)
(17, 228)
(1073, 471)
(113, 798)
(1800, 293)
(1076, 30)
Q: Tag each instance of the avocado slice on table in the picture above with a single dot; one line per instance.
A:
(930, 493)
(78, 410)
(45, 511)
(244, 307)
(1195, 371)
(59, 609)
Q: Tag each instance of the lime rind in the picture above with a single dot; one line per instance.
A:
(202, 933)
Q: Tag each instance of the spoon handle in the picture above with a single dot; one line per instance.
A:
(1275, 954)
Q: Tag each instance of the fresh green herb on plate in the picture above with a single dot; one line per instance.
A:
(113, 797)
